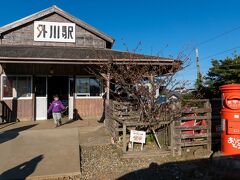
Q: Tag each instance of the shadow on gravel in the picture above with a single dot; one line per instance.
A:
(23, 170)
(13, 133)
(219, 168)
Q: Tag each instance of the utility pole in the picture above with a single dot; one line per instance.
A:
(199, 76)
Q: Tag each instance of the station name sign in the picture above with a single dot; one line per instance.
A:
(54, 31)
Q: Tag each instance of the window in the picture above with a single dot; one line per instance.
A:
(9, 84)
(23, 87)
(16, 86)
(88, 86)
(82, 85)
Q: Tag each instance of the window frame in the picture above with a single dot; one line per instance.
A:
(88, 94)
(20, 98)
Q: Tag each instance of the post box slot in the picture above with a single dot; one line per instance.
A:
(233, 127)
(232, 102)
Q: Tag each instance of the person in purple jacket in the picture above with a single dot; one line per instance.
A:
(56, 107)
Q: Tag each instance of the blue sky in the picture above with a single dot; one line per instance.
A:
(162, 26)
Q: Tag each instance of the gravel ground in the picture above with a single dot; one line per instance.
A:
(106, 162)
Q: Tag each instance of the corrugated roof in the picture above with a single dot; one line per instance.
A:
(73, 54)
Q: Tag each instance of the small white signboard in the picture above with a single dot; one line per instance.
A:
(54, 31)
(138, 136)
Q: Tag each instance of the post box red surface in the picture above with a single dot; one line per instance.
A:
(230, 115)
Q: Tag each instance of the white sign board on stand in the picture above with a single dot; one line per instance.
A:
(138, 137)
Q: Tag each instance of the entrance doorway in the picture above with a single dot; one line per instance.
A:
(58, 85)
(46, 87)
(41, 103)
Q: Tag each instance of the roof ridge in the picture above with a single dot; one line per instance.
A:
(7, 26)
(76, 18)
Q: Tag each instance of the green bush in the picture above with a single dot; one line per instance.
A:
(149, 138)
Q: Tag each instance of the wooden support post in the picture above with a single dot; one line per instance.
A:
(33, 99)
(124, 138)
(209, 124)
(172, 139)
(74, 92)
(106, 104)
(178, 141)
(175, 142)
(156, 138)
(1, 112)
(108, 86)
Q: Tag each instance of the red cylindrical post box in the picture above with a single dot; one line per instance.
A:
(230, 115)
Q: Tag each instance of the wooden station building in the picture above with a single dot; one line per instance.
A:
(48, 53)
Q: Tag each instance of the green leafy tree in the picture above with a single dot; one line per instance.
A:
(222, 72)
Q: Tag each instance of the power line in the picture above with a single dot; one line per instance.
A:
(213, 38)
(218, 36)
(225, 66)
(221, 52)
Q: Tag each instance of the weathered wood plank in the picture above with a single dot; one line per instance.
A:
(185, 136)
(119, 129)
(124, 138)
(194, 143)
(193, 118)
(197, 100)
(209, 123)
(191, 127)
(146, 123)
(172, 139)
(198, 110)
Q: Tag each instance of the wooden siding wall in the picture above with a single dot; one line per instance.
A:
(24, 36)
(87, 108)
(23, 107)
(90, 108)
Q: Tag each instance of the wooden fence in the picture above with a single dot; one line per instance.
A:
(112, 125)
(189, 127)
(122, 117)
(192, 127)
